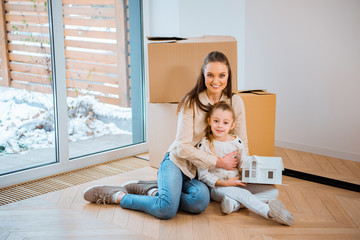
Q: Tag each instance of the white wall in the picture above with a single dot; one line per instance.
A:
(308, 53)
(305, 51)
(162, 18)
(196, 18)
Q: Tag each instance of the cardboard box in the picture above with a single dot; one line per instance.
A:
(162, 124)
(174, 65)
(260, 109)
(260, 125)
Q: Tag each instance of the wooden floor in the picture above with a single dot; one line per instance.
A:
(321, 212)
(329, 167)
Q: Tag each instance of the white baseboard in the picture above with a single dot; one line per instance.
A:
(316, 150)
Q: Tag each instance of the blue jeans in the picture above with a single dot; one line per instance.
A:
(176, 191)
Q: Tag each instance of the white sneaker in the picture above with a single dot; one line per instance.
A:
(229, 205)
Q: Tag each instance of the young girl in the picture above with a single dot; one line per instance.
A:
(224, 184)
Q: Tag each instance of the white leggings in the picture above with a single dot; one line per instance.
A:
(252, 196)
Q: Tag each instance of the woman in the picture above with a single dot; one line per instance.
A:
(178, 188)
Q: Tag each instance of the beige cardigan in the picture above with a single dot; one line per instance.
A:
(191, 127)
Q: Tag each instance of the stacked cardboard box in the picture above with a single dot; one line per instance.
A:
(162, 123)
(174, 67)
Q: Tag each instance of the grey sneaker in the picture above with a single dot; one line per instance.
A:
(279, 212)
(139, 187)
(102, 194)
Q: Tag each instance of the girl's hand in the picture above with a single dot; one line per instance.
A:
(232, 182)
(227, 162)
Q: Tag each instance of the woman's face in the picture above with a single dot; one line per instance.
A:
(216, 76)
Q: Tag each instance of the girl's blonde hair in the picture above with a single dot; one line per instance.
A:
(219, 105)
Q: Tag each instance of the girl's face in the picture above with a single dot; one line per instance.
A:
(221, 122)
(216, 76)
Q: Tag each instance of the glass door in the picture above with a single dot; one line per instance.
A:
(71, 85)
(100, 92)
(27, 136)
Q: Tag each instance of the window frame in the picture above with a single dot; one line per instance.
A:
(63, 163)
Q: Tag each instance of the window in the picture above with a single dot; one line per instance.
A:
(253, 172)
(253, 165)
(102, 95)
(247, 173)
(27, 127)
(270, 175)
(80, 71)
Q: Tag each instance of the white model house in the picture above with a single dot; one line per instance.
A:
(265, 170)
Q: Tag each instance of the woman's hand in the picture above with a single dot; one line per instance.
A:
(227, 162)
(232, 182)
